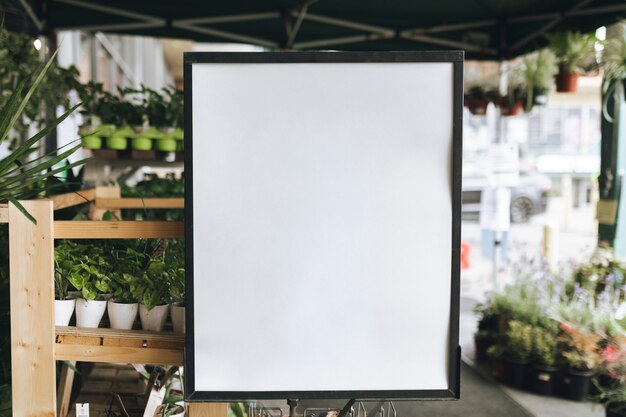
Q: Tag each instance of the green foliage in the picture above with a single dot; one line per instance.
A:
(581, 347)
(153, 186)
(537, 73)
(544, 346)
(19, 60)
(602, 273)
(84, 267)
(519, 341)
(614, 60)
(575, 51)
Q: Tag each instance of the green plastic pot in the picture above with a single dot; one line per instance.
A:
(92, 142)
(178, 134)
(117, 142)
(106, 130)
(166, 145)
(141, 143)
(126, 132)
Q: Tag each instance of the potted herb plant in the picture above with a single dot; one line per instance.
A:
(86, 267)
(543, 372)
(175, 261)
(582, 354)
(517, 353)
(63, 304)
(575, 54)
(153, 289)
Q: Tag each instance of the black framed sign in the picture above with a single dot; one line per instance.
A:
(322, 225)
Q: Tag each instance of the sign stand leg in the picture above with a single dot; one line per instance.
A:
(293, 407)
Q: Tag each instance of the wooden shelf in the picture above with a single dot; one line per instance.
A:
(73, 229)
(111, 345)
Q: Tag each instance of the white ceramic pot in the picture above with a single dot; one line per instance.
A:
(89, 313)
(122, 315)
(178, 318)
(153, 319)
(63, 310)
(182, 413)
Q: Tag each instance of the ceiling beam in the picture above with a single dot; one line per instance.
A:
(408, 35)
(226, 35)
(113, 11)
(247, 17)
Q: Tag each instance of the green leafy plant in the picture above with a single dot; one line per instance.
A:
(614, 81)
(85, 267)
(537, 71)
(154, 186)
(19, 60)
(23, 175)
(544, 347)
(519, 341)
(575, 51)
(602, 272)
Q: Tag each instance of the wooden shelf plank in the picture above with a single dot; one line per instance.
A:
(4, 213)
(140, 203)
(117, 229)
(75, 198)
(117, 354)
(110, 345)
(123, 334)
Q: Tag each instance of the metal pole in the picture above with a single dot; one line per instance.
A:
(293, 407)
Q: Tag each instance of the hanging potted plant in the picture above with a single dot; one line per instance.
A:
(582, 354)
(543, 372)
(575, 54)
(537, 70)
(86, 267)
(614, 81)
(517, 353)
(63, 304)
(157, 114)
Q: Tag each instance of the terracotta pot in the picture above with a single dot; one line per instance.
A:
(566, 82)
(63, 310)
(506, 109)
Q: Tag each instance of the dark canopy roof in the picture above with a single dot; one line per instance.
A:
(485, 29)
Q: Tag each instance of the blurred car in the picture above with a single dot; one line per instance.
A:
(528, 197)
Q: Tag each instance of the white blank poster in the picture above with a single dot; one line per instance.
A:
(322, 226)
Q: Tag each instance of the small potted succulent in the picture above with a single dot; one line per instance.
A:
(575, 53)
(543, 372)
(517, 353)
(582, 354)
